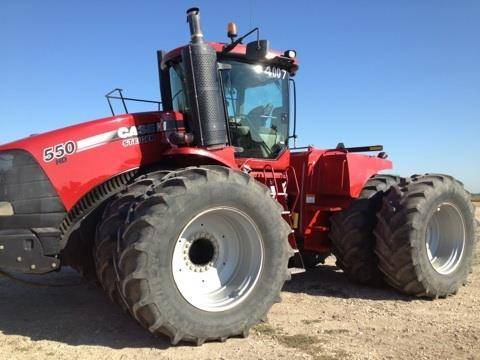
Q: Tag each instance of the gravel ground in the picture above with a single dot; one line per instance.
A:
(322, 316)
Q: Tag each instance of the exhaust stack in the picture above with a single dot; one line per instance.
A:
(193, 18)
(207, 116)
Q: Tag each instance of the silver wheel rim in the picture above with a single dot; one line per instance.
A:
(217, 259)
(445, 238)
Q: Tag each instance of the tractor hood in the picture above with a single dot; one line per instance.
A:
(78, 158)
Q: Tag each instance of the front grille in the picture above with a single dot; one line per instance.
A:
(26, 187)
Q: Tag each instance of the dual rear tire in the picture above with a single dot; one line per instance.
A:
(352, 232)
(425, 236)
(415, 234)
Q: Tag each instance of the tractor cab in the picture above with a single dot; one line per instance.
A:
(254, 86)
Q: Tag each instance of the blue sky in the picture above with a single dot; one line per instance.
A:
(405, 74)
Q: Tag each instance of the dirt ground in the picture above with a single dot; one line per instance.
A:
(322, 316)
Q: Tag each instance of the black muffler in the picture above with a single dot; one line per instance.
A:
(207, 115)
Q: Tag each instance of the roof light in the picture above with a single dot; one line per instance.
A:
(232, 30)
(291, 54)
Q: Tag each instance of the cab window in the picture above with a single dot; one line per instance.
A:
(257, 104)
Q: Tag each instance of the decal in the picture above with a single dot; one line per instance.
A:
(275, 72)
(61, 160)
(129, 136)
(138, 140)
(132, 131)
(96, 140)
(59, 151)
(141, 134)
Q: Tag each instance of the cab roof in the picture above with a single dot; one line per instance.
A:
(239, 51)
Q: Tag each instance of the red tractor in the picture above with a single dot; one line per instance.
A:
(188, 216)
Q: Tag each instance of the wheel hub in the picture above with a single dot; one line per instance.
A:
(217, 259)
(445, 238)
(200, 251)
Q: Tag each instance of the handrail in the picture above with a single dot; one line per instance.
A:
(273, 178)
(297, 186)
(124, 99)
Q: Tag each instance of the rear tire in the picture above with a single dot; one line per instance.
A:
(352, 232)
(426, 236)
(198, 207)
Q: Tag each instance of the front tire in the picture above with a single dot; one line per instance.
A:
(204, 256)
(426, 236)
(113, 217)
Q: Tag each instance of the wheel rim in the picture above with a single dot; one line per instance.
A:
(445, 238)
(217, 259)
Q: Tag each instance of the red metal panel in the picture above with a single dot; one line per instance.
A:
(279, 164)
(329, 180)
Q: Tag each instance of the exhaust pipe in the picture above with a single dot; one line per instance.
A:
(207, 119)
(193, 18)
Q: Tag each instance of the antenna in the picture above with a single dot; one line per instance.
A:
(251, 12)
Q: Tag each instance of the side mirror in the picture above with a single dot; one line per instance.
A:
(257, 50)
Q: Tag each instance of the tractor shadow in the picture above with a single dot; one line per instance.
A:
(76, 315)
(328, 280)
(83, 315)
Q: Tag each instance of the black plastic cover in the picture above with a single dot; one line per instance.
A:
(24, 251)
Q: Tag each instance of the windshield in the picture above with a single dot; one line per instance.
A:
(257, 104)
